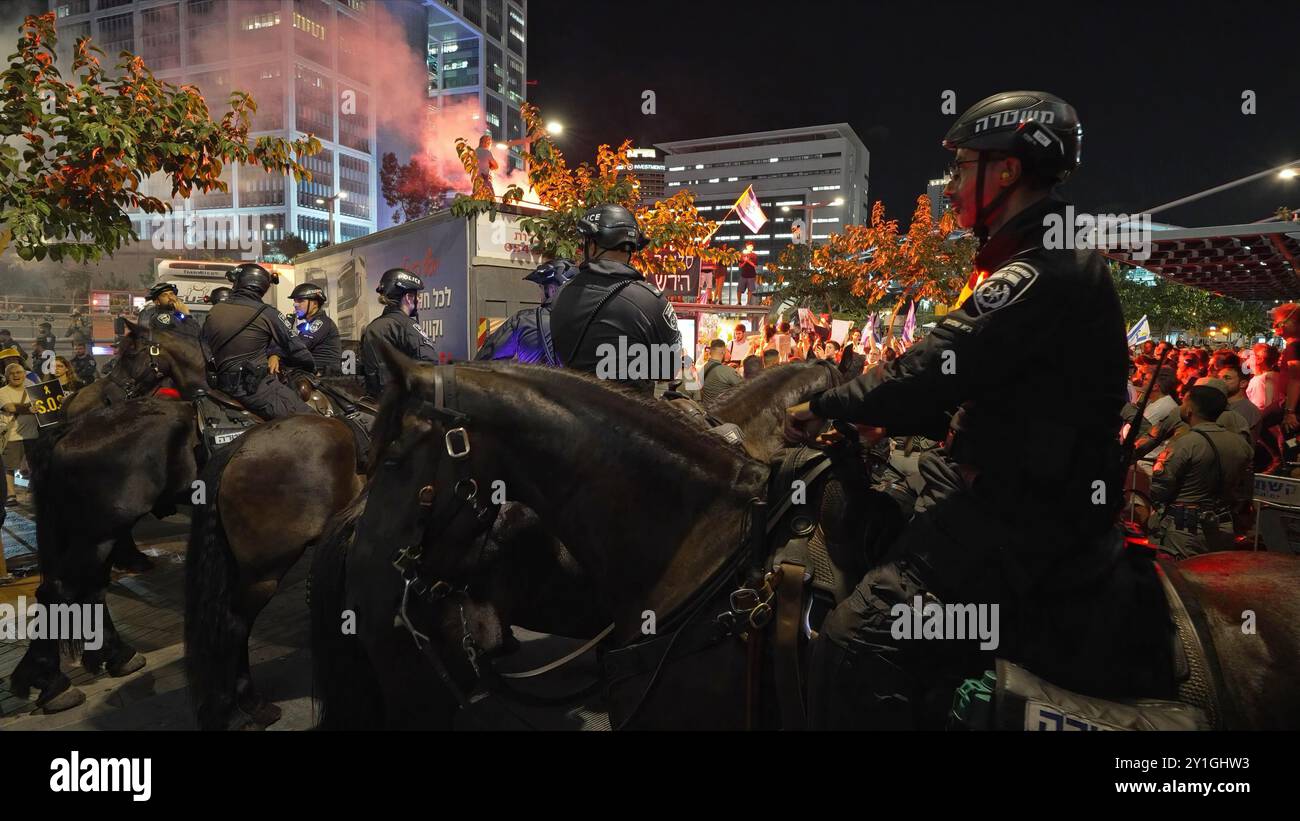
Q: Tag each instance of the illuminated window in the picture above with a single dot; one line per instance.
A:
(311, 27)
(261, 21)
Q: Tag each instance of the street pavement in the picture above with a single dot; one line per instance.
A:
(148, 610)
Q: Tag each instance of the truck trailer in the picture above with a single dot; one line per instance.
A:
(473, 272)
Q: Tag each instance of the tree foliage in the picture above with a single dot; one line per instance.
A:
(1170, 306)
(415, 190)
(674, 227)
(73, 153)
(866, 267)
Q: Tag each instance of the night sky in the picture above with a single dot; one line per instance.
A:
(1157, 85)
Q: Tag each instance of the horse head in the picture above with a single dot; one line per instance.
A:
(147, 358)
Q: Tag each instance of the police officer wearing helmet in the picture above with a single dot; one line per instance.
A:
(244, 342)
(316, 329)
(398, 325)
(526, 336)
(1019, 508)
(609, 300)
(166, 312)
(219, 295)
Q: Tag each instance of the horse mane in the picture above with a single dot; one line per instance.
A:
(656, 420)
(760, 385)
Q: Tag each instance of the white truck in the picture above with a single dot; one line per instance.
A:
(473, 272)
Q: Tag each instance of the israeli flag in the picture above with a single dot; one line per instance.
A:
(1140, 332)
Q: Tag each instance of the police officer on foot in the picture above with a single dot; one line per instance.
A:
(1019, 508)
(316, 329)
(398, 325)
(609, 307)
(526, 336)
(240, 340)
(167, 312)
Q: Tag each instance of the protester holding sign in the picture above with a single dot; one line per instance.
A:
(17, 425)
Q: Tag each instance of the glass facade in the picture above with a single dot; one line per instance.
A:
(206, 36)
(160, 37)
(354, 178)
(453, 55)
(313, 30)
(313, 230)
(516, 31)
(321, 184)
(354, 122)
(115, 34)
(496, 69)
(313, 103)
(266, 83)
(259, 188)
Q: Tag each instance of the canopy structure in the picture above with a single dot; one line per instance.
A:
(1250, 262)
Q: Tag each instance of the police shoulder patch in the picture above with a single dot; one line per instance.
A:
(1004, 287)
(315, 325)
(165, 319)
(670, 316)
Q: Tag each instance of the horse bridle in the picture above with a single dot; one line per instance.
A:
(132, 387)
(438, 511)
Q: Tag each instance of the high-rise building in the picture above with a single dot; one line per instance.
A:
(305, 62)
(934, 190)
(648, 165)
(817, 174)
(475, 51)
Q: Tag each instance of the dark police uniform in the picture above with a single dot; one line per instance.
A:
(238, 335)
(403, 333)
(155, 318)
(607, 300)
(47, 340)
(321, 336)
(1019, 510)
(525, 337)
(85, 368)
(1200, 477)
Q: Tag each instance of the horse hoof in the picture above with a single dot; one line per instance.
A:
(132, 561)
(126, 668)
(64, 697)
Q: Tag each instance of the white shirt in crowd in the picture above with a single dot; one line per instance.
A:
(19, 426)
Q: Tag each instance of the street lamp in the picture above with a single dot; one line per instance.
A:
(554, 127)
(342, 195)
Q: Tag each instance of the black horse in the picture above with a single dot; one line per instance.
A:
(656, 514)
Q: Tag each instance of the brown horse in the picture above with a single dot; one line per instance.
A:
(655, 513)
(269, 497)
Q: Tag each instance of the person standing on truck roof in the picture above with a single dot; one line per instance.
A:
(398, 325)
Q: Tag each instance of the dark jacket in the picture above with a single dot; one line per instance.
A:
(403, 333)
(85, 368)
(156, 319)
(993, 364)
(525, 337)
(1191, 472)
(321, 336)
(234, 338)
(603, 302)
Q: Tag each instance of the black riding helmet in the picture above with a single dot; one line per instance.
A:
(252, 277)
(398, 281)
(555, 272)
(1040, 129)
(309, 290)
(161, 288)
(612, 227)
(219, 295)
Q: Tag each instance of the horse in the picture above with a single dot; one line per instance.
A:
(655, 513)
(145, 361)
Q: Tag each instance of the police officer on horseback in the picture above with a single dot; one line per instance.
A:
(608, 308)
(1019, 508)
(244, 342)
(526, 336)
(316, 329)
(167, 312)
(398, 325)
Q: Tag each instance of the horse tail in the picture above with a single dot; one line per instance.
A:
(214, 633)
(344, 685)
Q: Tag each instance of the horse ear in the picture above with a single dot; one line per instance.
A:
(401, 366)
